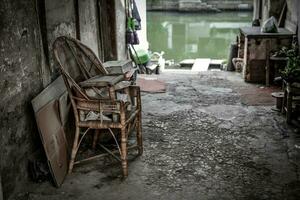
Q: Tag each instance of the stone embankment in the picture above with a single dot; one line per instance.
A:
(198, 5)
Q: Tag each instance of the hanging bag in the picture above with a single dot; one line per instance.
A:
(136, 17)
(130, 38)
(131, 34)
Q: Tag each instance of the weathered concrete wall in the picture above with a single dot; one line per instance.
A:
(292, 15)
(28, 30)
(120, 29)
(88, 24)
(271, 8)
(298, 20)
(274, 8)
(20, 80)
(141, 5)
(60, 20)
(1, 192)
(198, 5)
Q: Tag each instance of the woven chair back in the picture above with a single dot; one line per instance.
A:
(76, 61)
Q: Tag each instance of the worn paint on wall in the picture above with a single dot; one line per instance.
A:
(21, 79)
(120, 29)
(107, 21)
(298, 20)
(1, 193)
(88, 23)
(28, 29)
(274, 8)
(61, 20)
(292, 15)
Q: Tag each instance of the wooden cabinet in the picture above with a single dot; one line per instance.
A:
(255, 48)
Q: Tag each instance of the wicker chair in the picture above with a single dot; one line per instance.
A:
(92, 90)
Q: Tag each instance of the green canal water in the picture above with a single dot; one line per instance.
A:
(192, 35)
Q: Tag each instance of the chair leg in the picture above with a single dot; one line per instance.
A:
(139, 136)
(124, 152)
(74, 149)
(289, 108)
(284, 102)
(95, 139)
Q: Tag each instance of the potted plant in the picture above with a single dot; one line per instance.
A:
(291, 72)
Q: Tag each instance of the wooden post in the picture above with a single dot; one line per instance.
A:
(95, 139)
(284, 97)
(268, 63)
(289, 102)
(139, 136)
(123, 141)
(74, 149)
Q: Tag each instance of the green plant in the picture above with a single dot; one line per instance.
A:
(291, 72)
(282, 52)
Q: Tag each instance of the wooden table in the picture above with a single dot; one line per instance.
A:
(256, 47)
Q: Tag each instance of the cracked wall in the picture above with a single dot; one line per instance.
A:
(21, 79)
(28, 30)
(89, 24)
(60, 20)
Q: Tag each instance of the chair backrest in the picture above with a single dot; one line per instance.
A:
(76, 61)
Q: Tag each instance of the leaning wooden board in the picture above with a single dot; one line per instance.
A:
(51, 112)
(54, 140)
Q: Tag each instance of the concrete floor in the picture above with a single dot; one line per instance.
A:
(210, 136)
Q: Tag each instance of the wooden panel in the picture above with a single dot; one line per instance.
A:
(51, 108)
(107, 21)
(54, 141)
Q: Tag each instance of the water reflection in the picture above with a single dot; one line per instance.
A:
(184, 36)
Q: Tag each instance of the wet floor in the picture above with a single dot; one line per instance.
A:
(203, 139)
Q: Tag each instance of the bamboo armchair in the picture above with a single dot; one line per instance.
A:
(92, 90)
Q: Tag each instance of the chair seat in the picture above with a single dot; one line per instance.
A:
(94, 124)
